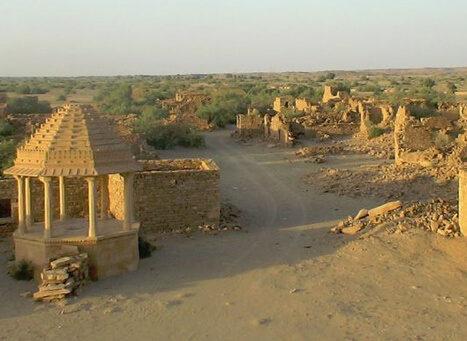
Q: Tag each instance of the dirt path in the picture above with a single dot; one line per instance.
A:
(286, 279)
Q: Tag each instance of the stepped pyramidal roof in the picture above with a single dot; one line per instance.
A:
(74, 141)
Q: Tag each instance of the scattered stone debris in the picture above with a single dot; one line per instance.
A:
(321, 149)
(407, 181)
(229, 215)
(63, 277)
(438, 216)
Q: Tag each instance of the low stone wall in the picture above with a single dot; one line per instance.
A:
(170, 194)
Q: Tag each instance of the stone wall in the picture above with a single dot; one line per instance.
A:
(283, 103)
(249, 125)
(332, 95)
(333, 129)
(410, 136)
(170, 194)
(76, 197)
(277, 128)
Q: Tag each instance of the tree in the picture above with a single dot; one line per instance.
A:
(28, 105)
(429, 83)
(149, 117)
(224, 108)
(452, 88)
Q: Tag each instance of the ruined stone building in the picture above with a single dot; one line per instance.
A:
(250, 125)
(278, 128)
(281, 103)
(416, 139)
(332, 95)
(183, 109)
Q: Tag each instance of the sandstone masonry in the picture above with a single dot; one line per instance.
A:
(170, 194)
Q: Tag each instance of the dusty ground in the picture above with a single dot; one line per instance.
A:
(288, 278)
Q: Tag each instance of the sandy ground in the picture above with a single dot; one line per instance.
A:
(287, 278)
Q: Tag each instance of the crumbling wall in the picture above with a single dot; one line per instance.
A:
(249, 125)
(277, 128)
(463, 200)
(387, 113)
(281, 103)
(304, 105)
(171, 194)
(332, 95)
(422, 140)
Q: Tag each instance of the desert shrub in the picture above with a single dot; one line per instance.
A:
(61, 97)
(5, 128)
(28, 105)
(116, 99)
(22, 271)
(167, 136)
(224, 108)
(25, 89)
(373, 130)
(421, 111)
(290, 113)
(7, 153)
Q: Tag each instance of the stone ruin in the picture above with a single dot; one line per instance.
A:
(423, 140)
(332, 95)
(85, 178)
(250, 125)
(183, 109)
(278, 128)
(283, 103)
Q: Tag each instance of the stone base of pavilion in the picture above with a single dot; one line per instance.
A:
(111, 252)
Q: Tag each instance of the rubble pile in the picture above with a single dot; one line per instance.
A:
(63, 277)
(228, 222)
(381, 147)
(321, 149)
(437, 216)
(408, 181)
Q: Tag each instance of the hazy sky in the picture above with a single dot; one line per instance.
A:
(126, 37)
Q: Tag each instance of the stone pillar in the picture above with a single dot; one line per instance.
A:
(463, 200)
(47, 206)
(62, 195)
(28, 203)
(104, 197)
(92, 206)
(127, 201)
(21, 215)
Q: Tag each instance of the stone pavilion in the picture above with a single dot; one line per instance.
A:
(75, 142)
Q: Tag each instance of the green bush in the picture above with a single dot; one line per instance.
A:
(61, 98)
(373, 130)
(224, 108)
(5, 128)
(28, 105)
(167, 136)
(7, 153)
